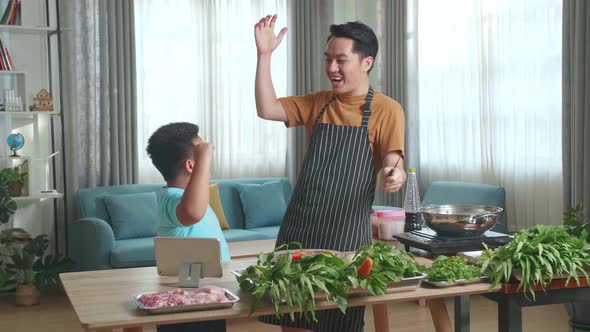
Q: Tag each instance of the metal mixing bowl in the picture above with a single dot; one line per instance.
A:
(460, 220)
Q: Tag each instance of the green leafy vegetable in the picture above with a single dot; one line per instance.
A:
(451, 269)
(538, 253)
(389, 265)
(295, 283)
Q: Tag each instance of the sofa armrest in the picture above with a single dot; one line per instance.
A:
(90, 243)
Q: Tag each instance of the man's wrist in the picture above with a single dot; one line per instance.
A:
(264, 56)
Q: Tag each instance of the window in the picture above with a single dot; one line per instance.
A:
(489, 100)
(196, 62)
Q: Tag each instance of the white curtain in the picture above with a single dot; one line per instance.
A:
(196, 62)
(489, 98)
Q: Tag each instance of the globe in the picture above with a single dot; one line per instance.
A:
(15, 142)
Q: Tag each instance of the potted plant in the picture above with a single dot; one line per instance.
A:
(7, 205)
(15, 178)
(29, 267)
(575, 223)
(7, 210)
(23, 261)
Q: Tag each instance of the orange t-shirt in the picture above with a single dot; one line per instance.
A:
(386, 123)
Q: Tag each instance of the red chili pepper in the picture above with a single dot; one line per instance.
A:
(365, 268)
(297, 256)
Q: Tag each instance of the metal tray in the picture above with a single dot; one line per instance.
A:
(458, 282)
(231, 299)
(404, 285)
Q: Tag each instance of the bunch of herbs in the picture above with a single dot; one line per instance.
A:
(538, 253)
(451, 269)
(574, 221)
(294, 280)
(295, 283)
(389, 265)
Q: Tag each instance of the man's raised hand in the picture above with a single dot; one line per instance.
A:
(264, 33)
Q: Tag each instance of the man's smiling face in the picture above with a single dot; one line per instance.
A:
(345, 70)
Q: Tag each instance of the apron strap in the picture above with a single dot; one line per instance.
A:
(324, 108)
(367, 108)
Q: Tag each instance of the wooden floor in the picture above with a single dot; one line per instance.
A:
(55, 314)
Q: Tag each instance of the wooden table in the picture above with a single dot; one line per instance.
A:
(102, 299)
(511, 300)
(245, 249)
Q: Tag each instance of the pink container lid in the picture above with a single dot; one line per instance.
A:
(391, 213)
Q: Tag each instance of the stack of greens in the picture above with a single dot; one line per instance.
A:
(538, 253)
(451, 269)
(293, 279)
(388, 265)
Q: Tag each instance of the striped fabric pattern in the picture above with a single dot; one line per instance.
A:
(331, 206)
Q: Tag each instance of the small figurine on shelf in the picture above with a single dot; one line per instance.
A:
(43, 102)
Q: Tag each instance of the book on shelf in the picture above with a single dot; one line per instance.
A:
(5, 59)
(12, 13)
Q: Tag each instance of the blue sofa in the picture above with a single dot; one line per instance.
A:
(92, 242)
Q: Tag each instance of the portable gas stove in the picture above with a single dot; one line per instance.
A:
(426, 239)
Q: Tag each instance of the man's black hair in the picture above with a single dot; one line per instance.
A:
(364, 40)
(170, 146)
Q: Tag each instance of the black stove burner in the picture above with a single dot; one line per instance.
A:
(427, 240)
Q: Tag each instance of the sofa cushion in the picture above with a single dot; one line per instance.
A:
(236, 235)
(132, 215)
(263, 204)
(232, 206)
(269, 232)
(91, 200)
(133, 253)
(216, 206)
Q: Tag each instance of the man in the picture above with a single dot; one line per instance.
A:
(354, 133)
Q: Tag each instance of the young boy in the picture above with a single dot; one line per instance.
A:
(184, 160)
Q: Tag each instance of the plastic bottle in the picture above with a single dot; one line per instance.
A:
(412, 203)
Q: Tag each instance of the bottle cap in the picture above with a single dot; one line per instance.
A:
(412, 170)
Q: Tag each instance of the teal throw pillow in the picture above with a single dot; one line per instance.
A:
(132, 215)
(263, 204)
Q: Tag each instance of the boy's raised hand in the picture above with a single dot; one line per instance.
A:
(203, 153)
(264, 33)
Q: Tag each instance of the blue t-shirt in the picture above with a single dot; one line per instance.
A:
(169, 225)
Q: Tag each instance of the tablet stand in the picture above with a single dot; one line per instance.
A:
(189, 275)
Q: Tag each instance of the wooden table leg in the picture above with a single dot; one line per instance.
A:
(509, 314)
(440, 315)
(462, 313)
(380, 317)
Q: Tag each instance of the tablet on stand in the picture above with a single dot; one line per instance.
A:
(188, 258)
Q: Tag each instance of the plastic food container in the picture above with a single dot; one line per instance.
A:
(390, 223)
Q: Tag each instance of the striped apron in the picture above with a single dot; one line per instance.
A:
(331, 206)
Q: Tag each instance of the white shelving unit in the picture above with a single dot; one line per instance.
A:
(34, 48)
(27, 29)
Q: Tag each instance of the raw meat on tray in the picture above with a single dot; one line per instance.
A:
(178, 297)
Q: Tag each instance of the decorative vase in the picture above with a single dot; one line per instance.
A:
(16, 187)
(27, 295)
